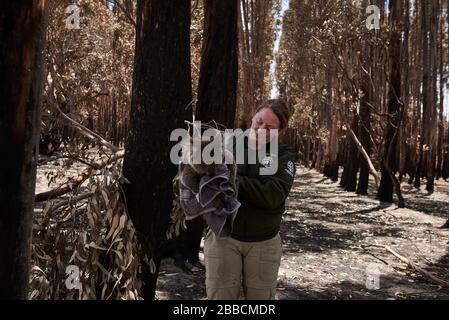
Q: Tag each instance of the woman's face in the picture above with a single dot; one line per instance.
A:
(262, 122)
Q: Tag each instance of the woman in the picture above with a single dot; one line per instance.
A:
(252, 255)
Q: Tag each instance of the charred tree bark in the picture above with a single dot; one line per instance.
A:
(22, 40)
(353, 159)
(385, 191)
(415, 73)
(331, 165)
(431, 158)
(217, 86)
(217, 93)
(364, 134)
(421, 168)
(442, 84)
(445, 155)
(405, 74)
(161, 93)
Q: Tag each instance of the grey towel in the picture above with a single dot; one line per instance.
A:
(212, 194)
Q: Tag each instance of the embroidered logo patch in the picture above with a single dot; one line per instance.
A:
(267, 162)
(290, 168)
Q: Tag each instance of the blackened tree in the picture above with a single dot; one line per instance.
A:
(22, 39)
(160, 98)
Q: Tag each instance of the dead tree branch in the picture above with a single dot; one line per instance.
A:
(413, 266)
(365, 155)
(85, 131)
(74, 182)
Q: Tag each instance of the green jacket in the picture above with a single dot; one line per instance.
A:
(263, 197)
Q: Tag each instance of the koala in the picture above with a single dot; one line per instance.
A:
(190, 174)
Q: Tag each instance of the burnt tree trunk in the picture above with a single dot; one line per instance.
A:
(217, 86)
(331, 165)
(433, 123)
(353, 159)
(385, 191)
(405, 74)
(22, 40)
(445, 154)
(217, 93)
(424, 139)
(442, 84)
(364, 132)
(161, 93)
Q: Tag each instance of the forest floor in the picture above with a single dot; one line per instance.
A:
(325, 230)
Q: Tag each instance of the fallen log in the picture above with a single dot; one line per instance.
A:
(54, 208)
(74, 182)
(41, 162)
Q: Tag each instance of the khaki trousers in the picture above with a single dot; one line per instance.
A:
(231, 263)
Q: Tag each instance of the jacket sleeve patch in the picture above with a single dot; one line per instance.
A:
(290, 168)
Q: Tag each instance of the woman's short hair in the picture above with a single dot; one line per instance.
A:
(279, 108)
